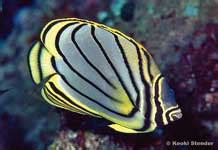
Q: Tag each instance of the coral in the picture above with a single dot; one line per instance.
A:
(69, 140)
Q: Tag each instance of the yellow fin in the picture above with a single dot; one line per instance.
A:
(120, 128)
(33, 62)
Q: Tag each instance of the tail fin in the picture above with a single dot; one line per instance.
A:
(38, 70)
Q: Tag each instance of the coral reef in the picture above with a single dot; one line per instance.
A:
(182, 37)
(70, 140)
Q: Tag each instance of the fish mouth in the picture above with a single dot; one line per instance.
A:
(175, 115)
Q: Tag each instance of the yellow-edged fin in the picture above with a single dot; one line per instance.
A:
(119, 128)
(65, 105)
(161, 101)
(33, 62)
(46, 66)
(48, 100)
(134, 123)
(70, 106)
(122, 129)
(56, 102)
(54, 79)
(154, 107)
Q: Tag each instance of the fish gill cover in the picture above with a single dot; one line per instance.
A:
(181, 37)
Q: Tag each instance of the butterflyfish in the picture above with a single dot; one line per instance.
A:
(96, 70)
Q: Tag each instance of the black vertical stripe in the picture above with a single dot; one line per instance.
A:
(85, 96)
(74, 20)
(139, 61)
(86, 58)
(110, 62)
(134, 110)
(51, 98)
(145, 53)
(77, 73)
(128, 68)
(158, 116)
(68, 64)
(48, 28)
(148, 64)
(53, 24)
(146, 90)
(147, 87)
(130, 40)
(55, 100)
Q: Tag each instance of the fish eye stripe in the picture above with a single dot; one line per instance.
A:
(171, 108)
(86, 58)
(158, 116)
(169, 111)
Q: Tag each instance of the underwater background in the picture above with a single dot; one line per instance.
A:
(182, 37)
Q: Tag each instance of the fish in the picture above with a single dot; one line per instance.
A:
(93, 69)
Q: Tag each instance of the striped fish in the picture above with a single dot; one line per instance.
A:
(96, 70)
